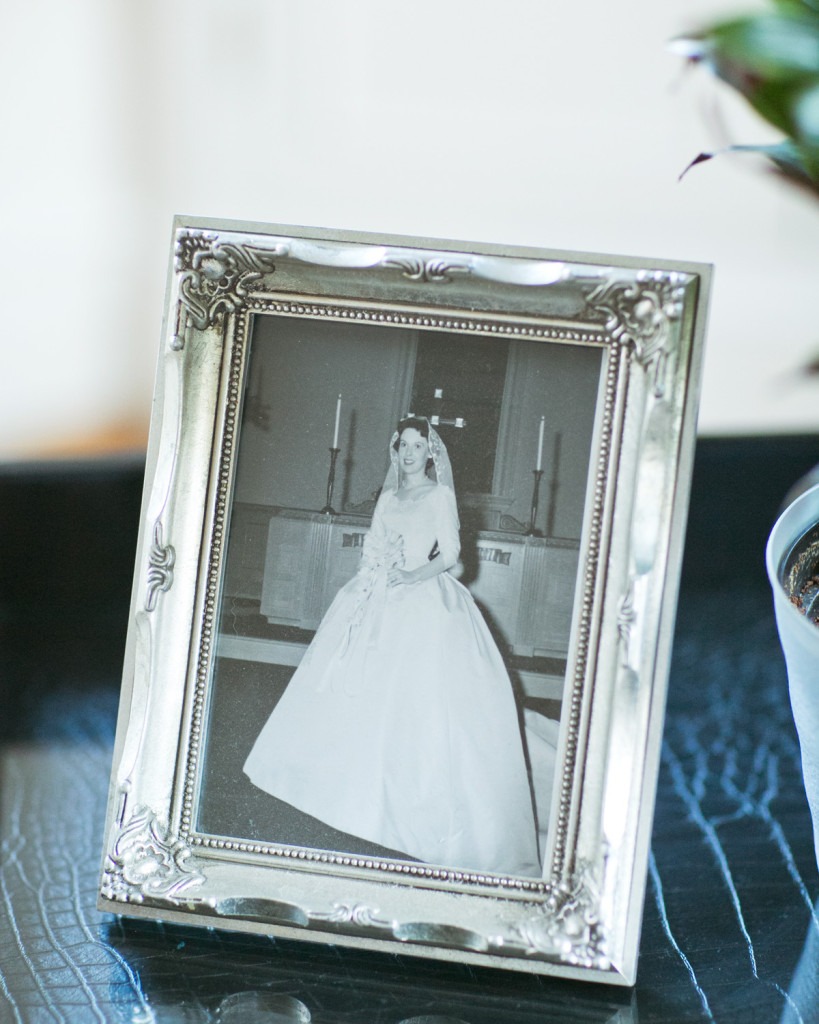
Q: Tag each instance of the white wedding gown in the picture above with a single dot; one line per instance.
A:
(400, 725)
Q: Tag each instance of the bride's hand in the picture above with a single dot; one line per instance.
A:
(399, 578)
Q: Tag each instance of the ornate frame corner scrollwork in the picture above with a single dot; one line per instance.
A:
(213, 275)
(146, 861)
(640, 311)
(568, 924)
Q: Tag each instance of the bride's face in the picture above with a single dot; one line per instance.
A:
(413, 452)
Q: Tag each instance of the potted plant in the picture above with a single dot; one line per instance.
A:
(772, 59)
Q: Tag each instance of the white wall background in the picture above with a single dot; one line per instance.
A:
(529, 122)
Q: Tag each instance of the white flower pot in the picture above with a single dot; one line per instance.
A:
(799, 637)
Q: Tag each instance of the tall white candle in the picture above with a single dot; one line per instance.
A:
(338, 418)
(539, 464)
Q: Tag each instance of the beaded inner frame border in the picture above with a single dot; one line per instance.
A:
(582, 920)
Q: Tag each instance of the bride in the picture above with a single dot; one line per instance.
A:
(400, 725)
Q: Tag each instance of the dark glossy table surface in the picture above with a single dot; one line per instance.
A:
(730, 929)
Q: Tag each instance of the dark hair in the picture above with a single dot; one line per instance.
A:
(419, 423)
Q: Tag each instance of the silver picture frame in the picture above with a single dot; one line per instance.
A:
(583, 485)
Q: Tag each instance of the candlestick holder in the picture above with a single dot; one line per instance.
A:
(328, 509)
(532, 531)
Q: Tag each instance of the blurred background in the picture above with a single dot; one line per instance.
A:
(554, 125)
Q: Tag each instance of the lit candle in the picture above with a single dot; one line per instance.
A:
(540, 443)
(338, 417)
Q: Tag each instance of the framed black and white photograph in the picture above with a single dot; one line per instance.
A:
(404, 595)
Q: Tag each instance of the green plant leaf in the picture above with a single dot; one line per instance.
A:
(785, 157)
(806, 114)
(772, 59)
(771, 47)
(809, 7)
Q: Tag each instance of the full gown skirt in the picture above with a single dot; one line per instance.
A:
(400, 725)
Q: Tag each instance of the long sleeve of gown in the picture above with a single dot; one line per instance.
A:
(447, 527)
